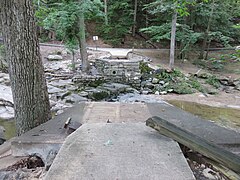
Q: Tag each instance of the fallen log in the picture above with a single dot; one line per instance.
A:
(196, 143)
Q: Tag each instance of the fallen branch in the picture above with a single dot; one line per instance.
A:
(195, 143)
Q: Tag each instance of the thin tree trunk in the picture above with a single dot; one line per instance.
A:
(105, 12)
(30, 96)
(134, 18)
(173, 37)
(73, 62)
(204, 45)
(82, 44)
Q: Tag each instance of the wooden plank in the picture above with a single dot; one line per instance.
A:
(226, 158)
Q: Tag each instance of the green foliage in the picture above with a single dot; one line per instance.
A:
(182, 88)
(212, 80)
(144, 68)
(119, 18)
(178, 82)
(2, 50)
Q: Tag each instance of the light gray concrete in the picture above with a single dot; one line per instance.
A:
(101, 112)
(46, 137)
(120, 151)
(51, 135)
(223, 137)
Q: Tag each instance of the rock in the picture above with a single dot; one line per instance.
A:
(114, 88)
(236, 82)
(145, 92)
(2, 138)
(163, 92)
(63, 95)
(52, 103)
(209, 174)
(60, 105)
(6, 93)
(130, 97)
(83, 94)
(237, 87)
(212, 91)
(59, 112)
(155, 80)
(49, 160)
(161, 83)
(6, 113)
(170, 90)
(157, 93)
(74, 98)
(54, 57)
(61, 83)
(53, 90)
(98, 94)
(147, 84)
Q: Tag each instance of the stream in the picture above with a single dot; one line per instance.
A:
(9, 126)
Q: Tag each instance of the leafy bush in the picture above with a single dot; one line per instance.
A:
(212, 80)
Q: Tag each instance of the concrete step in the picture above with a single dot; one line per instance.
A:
(119, 151)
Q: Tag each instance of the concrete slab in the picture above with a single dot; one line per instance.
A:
(116, 52)
(46, 137)
(101, 112)
(119, 151)
(223, 137)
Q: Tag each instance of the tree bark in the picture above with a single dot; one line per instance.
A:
(173, 37)
(82, 44)
(105, 12)
(134, 18)
(206, 33)
(30, 96)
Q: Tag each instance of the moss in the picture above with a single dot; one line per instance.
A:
(96, 83)
(100, 95)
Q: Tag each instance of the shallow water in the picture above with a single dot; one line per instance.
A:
(9, 126)
(227, 117)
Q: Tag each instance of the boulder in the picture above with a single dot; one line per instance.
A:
(53, 90)
(74, 98)
(6, 112)
(98, 94)
(155, 80)
(54, 57)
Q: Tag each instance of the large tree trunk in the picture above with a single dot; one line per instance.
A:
(30, 96)
(82, 44)
(173, 37)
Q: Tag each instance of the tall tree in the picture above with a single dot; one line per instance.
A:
(173, 37)
(67, 20)
(106, 12)
(135, 17)
(30, 96)
(206, 34)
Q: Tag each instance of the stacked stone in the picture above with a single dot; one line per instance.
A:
(120, 70)
(86, 79)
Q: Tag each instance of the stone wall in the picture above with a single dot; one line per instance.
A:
(119, 70)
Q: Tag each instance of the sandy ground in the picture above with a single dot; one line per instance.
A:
(220, 100)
